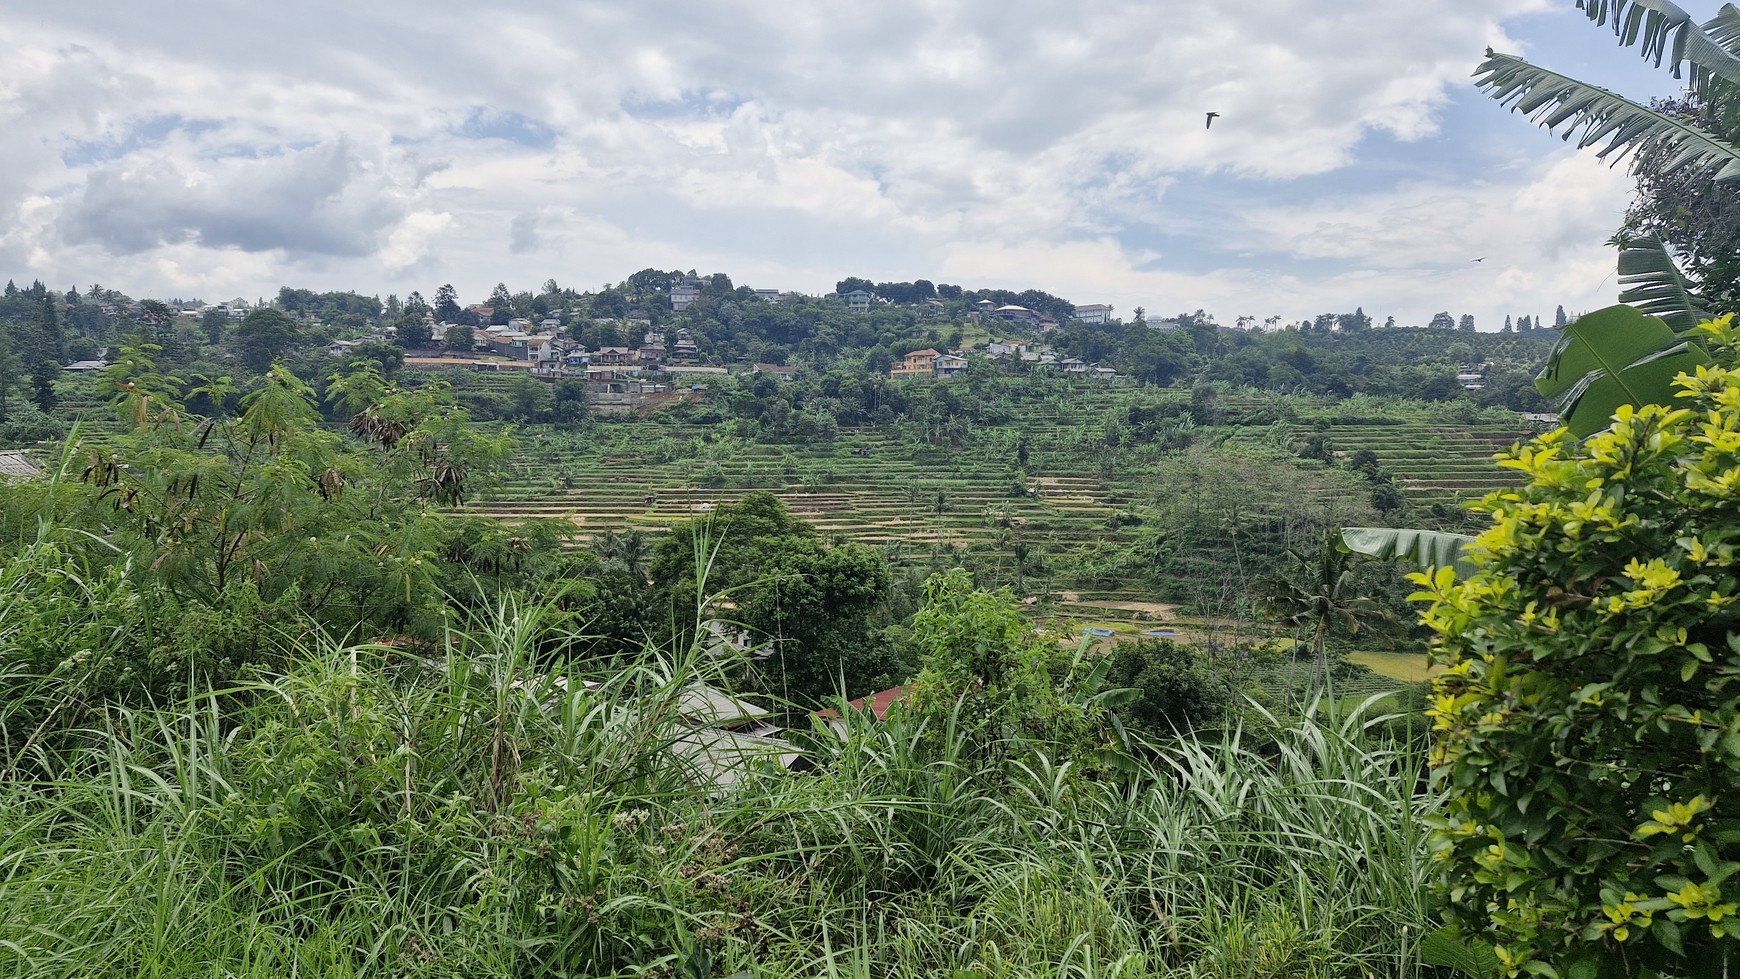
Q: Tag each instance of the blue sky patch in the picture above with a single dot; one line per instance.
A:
(147, 132)
(506, 125)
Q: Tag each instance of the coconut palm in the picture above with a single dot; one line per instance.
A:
(1319, 592)
(628, 549)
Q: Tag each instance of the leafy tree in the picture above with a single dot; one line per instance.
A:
(501, 302)
(1176, 690)
(213, 324)
(1442, 321)
(1466, 323)
(264, 336)
(1586, 721)
(609, 304)
(529, 399)
(9, 373)
(813, 602)
(386, 356)
(42, 377)
(413, 332)
(987, 674)
(459, 339)
(446, 304)
(651, 281)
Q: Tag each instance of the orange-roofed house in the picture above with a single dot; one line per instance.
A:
(919, 363)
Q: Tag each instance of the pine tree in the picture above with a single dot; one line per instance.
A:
(1559, 318)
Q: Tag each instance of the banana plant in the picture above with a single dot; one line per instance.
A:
(1427, 549)
(1630, 354)
(1612, 357)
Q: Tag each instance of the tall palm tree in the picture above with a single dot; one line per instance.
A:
(628, 549)
(1318, 592)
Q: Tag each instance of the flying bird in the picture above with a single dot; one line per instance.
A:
(1211, 118)
(1480, 259)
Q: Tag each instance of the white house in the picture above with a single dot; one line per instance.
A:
(684, 294)
(1093, 313)
(948, 365)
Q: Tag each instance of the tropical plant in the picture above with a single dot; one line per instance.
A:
(1608, 358)
(1663, 30)
(1586, 722)
(1318, 592)
(1426, 549)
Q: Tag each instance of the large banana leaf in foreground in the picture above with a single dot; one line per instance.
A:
(1426, 548)
(1612, 357)
(1552, 100)
(1666, 30)
(1654, 285)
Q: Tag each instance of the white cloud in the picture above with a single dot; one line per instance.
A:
(392, 146)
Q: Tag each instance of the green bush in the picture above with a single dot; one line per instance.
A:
(1178, 690)
(1588, 726)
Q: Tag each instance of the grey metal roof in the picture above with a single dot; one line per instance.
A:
(14, 465)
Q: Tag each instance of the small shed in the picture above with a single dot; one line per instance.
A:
(15, 465)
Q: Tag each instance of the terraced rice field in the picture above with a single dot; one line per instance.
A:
(886, 498)
(1435, 463)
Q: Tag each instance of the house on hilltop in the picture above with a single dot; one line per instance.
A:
(858, 301)
(949, 365)
(684, 294)
(684, 347)
(1093, 313)
(919, 363)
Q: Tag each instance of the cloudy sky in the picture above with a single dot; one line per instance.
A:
(215, 148)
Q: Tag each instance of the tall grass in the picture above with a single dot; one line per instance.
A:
(461, 813)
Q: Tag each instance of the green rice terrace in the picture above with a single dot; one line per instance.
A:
(1052, 527)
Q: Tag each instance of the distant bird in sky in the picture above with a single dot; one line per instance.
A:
(1211, 118)
(1480, 259)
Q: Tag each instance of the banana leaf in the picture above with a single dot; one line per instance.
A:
(1562, 103)
(1666, 30)
(1426, 548)
(1612, 357)
(1655, 285)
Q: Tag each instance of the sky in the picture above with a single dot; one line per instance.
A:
(221, 148)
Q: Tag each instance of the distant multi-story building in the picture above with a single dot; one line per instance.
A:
(948, 365)
(858, 301)
(685, 293)
(684, 346)
(1093, 313)
(919, 363)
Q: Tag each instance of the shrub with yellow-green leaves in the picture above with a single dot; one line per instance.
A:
(1587, 727)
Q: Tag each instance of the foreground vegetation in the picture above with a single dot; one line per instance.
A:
(458, 813)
